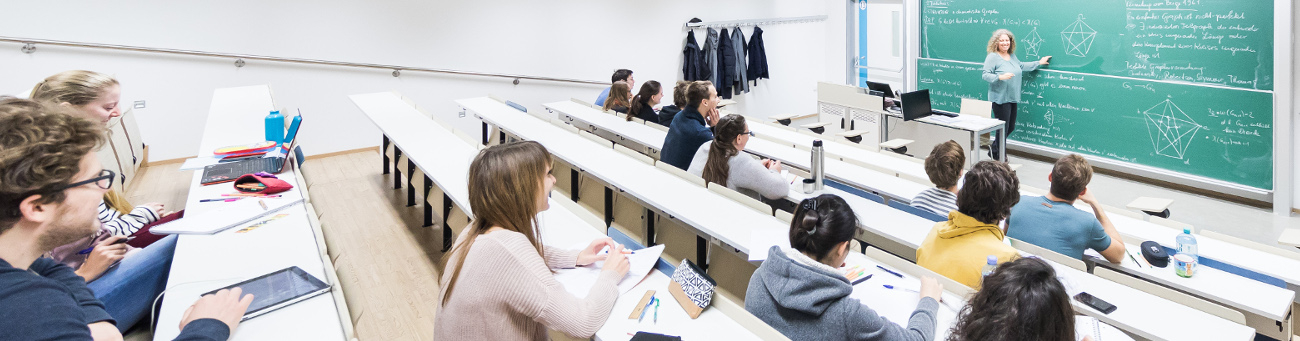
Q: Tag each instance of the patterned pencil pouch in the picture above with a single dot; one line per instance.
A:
(692, 288)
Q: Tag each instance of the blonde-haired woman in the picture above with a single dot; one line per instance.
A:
(1003, 71)
(620, 97)
(497, 282)
(129, 288)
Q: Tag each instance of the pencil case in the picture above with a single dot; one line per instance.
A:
(692, 288)
(261, 183)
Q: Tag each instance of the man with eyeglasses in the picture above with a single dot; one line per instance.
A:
(51, 183)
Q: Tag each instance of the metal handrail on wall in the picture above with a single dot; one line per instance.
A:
(29, 46)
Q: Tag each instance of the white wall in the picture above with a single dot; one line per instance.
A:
(581, 39)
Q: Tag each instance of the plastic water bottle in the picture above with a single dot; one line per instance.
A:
(275, 127)
(989, 266)
(818, 167)
(1186, 259)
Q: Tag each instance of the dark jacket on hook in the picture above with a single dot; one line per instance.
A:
(693, 60)
(726, 65)
(757, 56)
(739, 82)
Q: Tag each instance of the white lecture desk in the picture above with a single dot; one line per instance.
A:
(709, 213)
(205, 262)
(852, 175)
(975, 125)
(837, 147)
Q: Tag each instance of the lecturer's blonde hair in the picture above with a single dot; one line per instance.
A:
(993, 42)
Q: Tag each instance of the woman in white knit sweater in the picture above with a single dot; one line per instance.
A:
(721, 162)
(497, 282)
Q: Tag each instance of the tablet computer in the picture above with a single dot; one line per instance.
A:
(277, 290)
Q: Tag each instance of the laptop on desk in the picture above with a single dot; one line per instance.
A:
(916, 105)
(229, 171)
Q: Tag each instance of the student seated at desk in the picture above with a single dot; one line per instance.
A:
(643, 104)
(943, 166)
(803, 294)
(620, 75)
(50, 203)
(620, 97)
(959, 248)
(498, 283)
(1052, 221)
(722, 162)
(1020, 300)
(688, 130)
(128, 289)
(667, 113)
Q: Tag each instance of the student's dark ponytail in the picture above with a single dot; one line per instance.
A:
(820, 224)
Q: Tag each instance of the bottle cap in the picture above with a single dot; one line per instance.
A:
(993, 260)
(1187, 231)
(817, 143)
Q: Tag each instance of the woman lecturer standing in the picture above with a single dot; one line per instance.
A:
(1003, 71)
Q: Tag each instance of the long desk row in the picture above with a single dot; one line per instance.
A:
(838, 170)
(909, 233)
(205, 262)
(427, 143)
(900, 228)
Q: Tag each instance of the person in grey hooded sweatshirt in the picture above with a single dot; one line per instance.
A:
(802, 294)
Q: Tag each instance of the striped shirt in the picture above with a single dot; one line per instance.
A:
(125, 224)
(936, 200)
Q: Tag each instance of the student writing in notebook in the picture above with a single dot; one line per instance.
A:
(497, 283)
(50, 203)
(802, 293)
(129, 288)
(1020, 301)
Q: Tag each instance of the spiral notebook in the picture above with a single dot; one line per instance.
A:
(230, 215)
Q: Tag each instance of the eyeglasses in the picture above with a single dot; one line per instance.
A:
(104, 181)
(750, 133)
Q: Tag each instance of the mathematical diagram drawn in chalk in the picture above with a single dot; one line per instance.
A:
(1052, 118)
(1170, 129)
(1033, 43)
(1078, 38)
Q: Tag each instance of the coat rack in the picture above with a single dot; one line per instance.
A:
(755, 22)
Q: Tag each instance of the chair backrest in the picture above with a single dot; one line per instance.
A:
(1247, 243)
(634, 154)
(902, 206)
(1036, 250)
(594, 137)
(924, 180)
(563, 125)
(787, 217)
(904, 157)
(681, 173)
(798, 172)
(657, 126)
(1170, 294)
(133, 136)
(575, 100)
(740, 197)
(872, 166)
(981, 108)
(911, 268)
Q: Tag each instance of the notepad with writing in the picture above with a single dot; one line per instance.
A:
(229, 215)
(1099, 331)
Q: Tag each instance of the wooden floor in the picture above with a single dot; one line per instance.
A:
(391, 261)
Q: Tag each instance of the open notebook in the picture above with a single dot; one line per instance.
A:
(1099, 331)
(230, 215)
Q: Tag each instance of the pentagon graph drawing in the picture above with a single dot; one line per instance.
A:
(1170, 129)
(1033, 43)
(1078, 38)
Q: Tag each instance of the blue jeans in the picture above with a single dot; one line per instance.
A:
(129, 289)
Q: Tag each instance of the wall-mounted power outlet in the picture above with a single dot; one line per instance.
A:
(138, 105)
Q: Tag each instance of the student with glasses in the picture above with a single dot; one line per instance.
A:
(53, 180)
(125, 278)
(722, 162)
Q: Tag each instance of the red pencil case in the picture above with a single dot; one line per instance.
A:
(270, 184)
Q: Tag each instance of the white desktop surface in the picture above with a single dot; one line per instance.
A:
(428, 144)
(712, 214)
(836, 147)
(901, 227)
(887, 185)
(1286, 269)
(638, 133)
(205, 262)
(898, 305)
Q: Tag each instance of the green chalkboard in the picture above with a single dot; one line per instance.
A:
(1221, 42)
(1214, 132)
(1179, 85)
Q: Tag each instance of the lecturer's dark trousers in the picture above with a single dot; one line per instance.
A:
(1007, 113)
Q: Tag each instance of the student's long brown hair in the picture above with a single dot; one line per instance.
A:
(506, 182)
(618, 95)
(642, 99)
(1020, 301)
(718, 167)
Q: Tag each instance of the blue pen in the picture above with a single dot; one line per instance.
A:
(889, 271)
(646, 308)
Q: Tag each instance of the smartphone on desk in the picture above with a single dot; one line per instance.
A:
(1094, 302)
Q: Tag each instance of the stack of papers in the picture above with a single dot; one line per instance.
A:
(578, 281)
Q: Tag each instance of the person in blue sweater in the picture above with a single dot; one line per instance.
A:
(620, 75)
(1003, 71)
(802, 292)
(688, 130)
(53, 184)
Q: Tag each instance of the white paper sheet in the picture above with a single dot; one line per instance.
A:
(578, 281)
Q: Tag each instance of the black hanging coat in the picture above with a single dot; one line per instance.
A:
(693, 61)
(726, 66)
(757, 56)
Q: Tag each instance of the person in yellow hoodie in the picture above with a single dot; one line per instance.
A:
(960, 247)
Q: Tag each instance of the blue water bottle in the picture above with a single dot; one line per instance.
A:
(275, 127)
